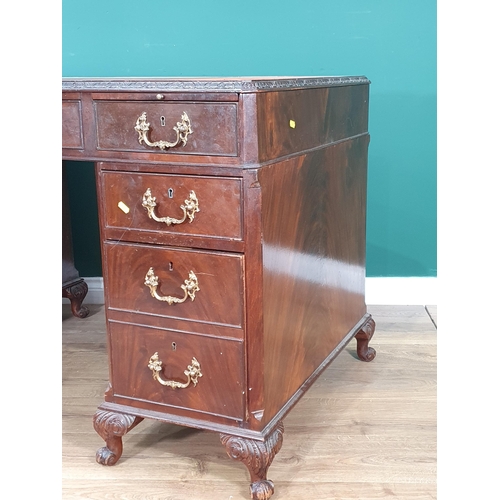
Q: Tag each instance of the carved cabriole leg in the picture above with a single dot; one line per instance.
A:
(363, 337)
(257, 456)
(111, 427)
(76, 293)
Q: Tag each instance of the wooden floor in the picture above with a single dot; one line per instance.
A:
(363, 431)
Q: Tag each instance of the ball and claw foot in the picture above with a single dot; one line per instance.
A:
(76, 292)
(363, 337)
(105, 456)
(111, 427)
(257, 456)
(261, 490)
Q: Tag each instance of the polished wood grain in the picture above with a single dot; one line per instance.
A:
(72, 122)
(320, 117)
(213, 125)
(281, 279)
(147, 94)
(219, 199)
(254, 298)
(220, 389)
(362, 431)
(332, 113)
(313, 212)
(220, 279)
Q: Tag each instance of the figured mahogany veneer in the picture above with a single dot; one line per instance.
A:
(219, 391)
(216, 135)
(221, 218)
(222, 320)
(220, 277)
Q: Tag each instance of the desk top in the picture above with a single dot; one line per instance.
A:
(230, 84)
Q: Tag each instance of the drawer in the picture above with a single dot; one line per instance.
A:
(218, 201)
(72, 130)
(213, 127)
(219, 278)
(219, 390)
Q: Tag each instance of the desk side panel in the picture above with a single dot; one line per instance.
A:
(313, 218)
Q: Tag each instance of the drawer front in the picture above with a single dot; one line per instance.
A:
(213, 126)
(219, 389)
(218, 203)
(218, 277)
(72, 134)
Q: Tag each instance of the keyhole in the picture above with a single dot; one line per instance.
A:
(174, 346)
(170, 266)
(170, 193)
(162, 121)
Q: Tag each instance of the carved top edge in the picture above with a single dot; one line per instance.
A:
(208, 84)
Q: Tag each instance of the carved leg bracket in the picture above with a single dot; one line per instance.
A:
(257, 456)
(76, 292)
(363, 337)
(111, 427)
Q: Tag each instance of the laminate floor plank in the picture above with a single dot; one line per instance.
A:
(363, 431)
(182, 490)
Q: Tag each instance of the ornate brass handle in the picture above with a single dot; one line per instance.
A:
(190, 207)
(190, 288)
(192, 373)
(183, 129)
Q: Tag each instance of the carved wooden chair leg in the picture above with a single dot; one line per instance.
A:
(257, 456)
(363, 337)
(76, 292)
(111, 427)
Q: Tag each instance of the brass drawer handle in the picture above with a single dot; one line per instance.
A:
(192, 373)
(190, 288)
(183, 129)
(190, 208)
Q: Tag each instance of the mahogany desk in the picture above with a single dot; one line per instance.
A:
(232, 217)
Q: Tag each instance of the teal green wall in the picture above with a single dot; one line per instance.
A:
(392, 42)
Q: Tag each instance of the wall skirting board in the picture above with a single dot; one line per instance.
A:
(401, 291)
(379, 291)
